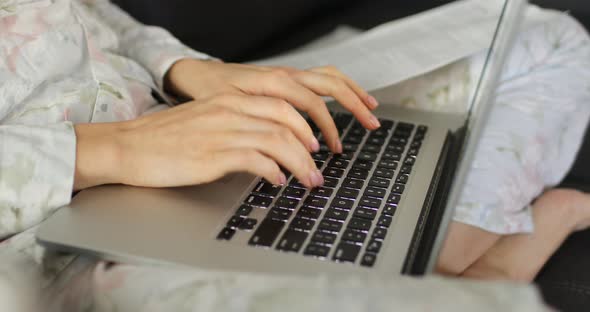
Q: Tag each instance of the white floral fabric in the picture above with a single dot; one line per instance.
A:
(64, 62)
(538, 118)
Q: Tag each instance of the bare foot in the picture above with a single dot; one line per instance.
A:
(574, 201)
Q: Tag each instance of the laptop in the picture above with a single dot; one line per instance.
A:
(384, 208)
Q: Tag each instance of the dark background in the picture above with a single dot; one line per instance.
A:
(237, 30)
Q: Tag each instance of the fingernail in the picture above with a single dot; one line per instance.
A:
(374, 121)
(316, 178)
(372, 101)
(315, 145)
(339, 147)
(282, 179)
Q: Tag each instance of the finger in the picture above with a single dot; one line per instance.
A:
(335, 87)
(251, 161)
(279, 84)
(281, 145)
(276, 110)
(368, 99)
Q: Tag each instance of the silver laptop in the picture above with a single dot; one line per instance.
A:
(384, 208)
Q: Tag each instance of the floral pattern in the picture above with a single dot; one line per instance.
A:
(64, 62)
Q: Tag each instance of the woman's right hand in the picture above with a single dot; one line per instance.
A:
(194, 144)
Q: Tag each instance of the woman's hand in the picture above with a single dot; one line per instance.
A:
(302, 88)
(199, 143)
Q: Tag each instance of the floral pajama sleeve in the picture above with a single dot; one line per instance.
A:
(64, 62)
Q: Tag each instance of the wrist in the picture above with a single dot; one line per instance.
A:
(97, 154)
(183, 77)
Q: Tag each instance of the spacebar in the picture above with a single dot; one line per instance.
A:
(267, 232)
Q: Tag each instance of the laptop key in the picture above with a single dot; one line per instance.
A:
(324, 237)
(379, 233)
(226, 234)
(363, 164)
(318, 163)
(259, 201)
(248, 224)
(344, 155)
(354, 236)
(358, 173)
(235, 221)
(398, 141)
(367, 156)
(395, 148)
(346, 252)
(313, 201)
(244, 210)
(292, 241)
(267, 189)
(412, 152)
(380, 133)
(389, 210)
(341, 203)
(330, 182)
(352, 139)
(316, 250)
(349, 147)
(398, 188)
(388, 164)
(286, 202)
(359, 224)
(375, 140)
(330, 225)
(322, 192)
(353, 183)
(320, 156)
(279, 214)
(379, 182)
(385, 124)
(375, 192)
(266, 233)
(374, 246)
(336, 214)
(295, 183)
(309, 212)
(294, 192)
(383, 173)
(370, 202)
(406, 169)
(391, 156)
(365, 213)
(302, 224)
(338, 163)
(347, 193)
(384, 221)
(368, 259)
(402, 179)
(410, 160)
(394, 199)
(333, 172)
(371, 148)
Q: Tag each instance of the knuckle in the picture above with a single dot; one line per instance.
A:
(278, 74)
(283, 133)
(283, 108)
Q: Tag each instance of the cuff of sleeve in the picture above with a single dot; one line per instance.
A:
(37, 167)
(167, 60)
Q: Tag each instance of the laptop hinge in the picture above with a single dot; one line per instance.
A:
(427, 227)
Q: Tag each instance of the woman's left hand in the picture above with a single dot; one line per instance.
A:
(303, 89)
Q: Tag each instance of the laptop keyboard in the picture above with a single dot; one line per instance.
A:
(347, 219)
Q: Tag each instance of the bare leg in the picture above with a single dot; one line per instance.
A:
(463, 245)
(557, 213)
